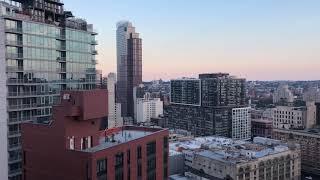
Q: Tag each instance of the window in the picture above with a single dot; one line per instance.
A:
(139, 153)
(119, 166)
(102, 169)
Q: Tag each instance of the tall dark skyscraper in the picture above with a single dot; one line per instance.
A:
(205, 106)
(43, 50)
(129, 66)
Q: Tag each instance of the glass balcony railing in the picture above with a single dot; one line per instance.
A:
(14, 68)
(14, 55)
(13, 29)
(14, 43)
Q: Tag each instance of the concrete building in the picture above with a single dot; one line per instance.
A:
(77, 145)
(294, 117)
(309, 140)
(44, 50)
(222, 158)
(312, 94)
(241, 123)
(129, 66)
(204, 106)
(283, 95)
(148, 108)
(114, 109)
(261, 127)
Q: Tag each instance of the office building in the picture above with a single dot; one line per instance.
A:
(77, 145)
(309, 140)
(261, 127)
(222, 158)
(148, 108)
(241, 123)
(44, 50)
(114, 109)
(129, 66)
(289, 117)
(204, 106)
(283, 95)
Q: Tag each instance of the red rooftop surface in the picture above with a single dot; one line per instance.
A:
(76, 146)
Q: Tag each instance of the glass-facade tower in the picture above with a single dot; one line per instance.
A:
(41, 55)
(129, 66)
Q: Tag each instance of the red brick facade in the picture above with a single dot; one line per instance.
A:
(70, 147)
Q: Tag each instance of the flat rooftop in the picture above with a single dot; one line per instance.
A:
(114, 137)
(228, 150)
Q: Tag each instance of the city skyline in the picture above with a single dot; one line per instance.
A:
(269, 40)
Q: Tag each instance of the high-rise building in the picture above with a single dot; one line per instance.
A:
(114, 109)
(77, 145)
(129, 66)
(148, 108)
(44, 50)
(241, 123)
(204, 106)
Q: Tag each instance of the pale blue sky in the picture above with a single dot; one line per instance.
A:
(255, 39)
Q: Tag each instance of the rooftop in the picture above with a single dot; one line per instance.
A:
(228, 150)
(117, 136)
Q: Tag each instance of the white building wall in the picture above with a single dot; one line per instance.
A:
(241, 123)
(283, 94)
(286, 117)
(114, 109)
(148, 108)
(3, 108)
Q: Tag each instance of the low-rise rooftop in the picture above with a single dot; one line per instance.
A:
(228, 150)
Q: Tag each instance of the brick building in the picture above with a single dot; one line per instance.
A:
(261, 128)
(76, 145)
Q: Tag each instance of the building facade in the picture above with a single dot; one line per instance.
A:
(204, 106)
(148, 108)
(221, 158)
(84, 149)
(186, 92)
(283, 95)
(129, 66)
(44, 50)
(310, 146)
(261, 127)
(287, 117)
(241, 123)
(114, 109)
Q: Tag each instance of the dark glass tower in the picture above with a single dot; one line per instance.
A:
(129, 66)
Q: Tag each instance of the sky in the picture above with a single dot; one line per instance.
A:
(253, 39)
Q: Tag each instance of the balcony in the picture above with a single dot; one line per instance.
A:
(13, 30)
(61, 59)
(14, 68)
(26, 94)
(94, 61)
(22, 106)
(14, 43)
(94, 52)
(12, 147)
(15, 159)
(60, 36)
(61, 70)
(94, 42)
(20, 119)
(14, 134)
(14, 55)
(61, 48)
